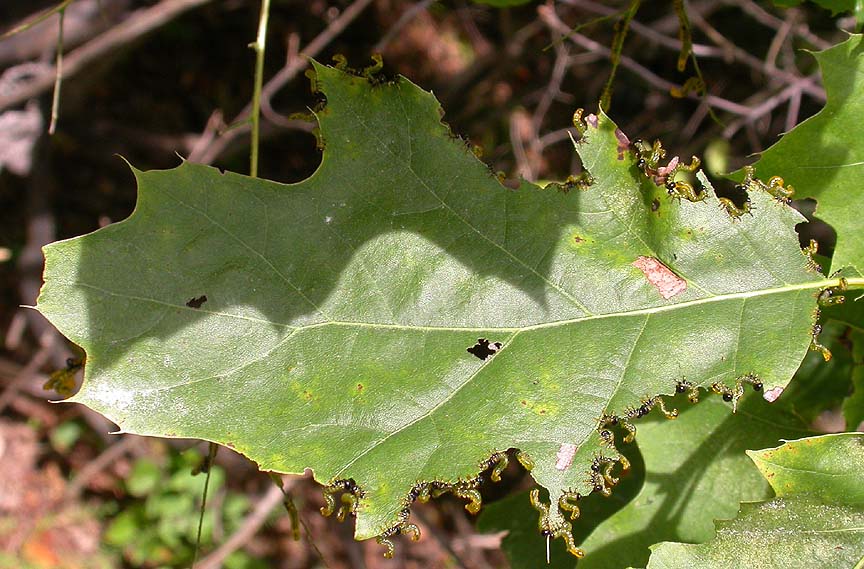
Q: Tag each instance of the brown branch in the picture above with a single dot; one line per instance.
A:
(773, 22)
(725, 47)
(95, 466)
(36, 20)
(552, 92)
(406, 18)
(792, 111)
(646, 31)
(139, 23)
(520, 133)
(31, 370)
(778, 40)
(250, 526)
(810, 86)
(551, 18)
(755, 113)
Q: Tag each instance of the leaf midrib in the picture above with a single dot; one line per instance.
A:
(811, 285)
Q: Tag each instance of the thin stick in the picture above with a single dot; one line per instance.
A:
(643, 30)
(403, 20)
(762, 109)
(210, 456)
(46, 349)
(621, 28)
(552, 19)
(725, 46)
(250, 526)
(295, 515)
(259, 46)
(95, 466)
(210, 152)
(58, 75)
(136, 25)
(37, 20)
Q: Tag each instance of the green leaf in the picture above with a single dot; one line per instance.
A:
(850, 312)
(145, 476)
(695, 471)
(816, 520)
(525, 547)
(327, 324)
(823, 157)
(840, 381)
(828, 467)
(819, 385)
(124, 528)
(853, 406)
(785, 532)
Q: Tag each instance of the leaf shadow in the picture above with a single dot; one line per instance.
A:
(398, 220)
(756, 425)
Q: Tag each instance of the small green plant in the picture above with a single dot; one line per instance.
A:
(157, 526)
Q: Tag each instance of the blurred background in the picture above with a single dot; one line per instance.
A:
(155, 80)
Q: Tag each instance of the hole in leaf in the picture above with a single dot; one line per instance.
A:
(734, 192)
(814, 228)
(196, 302)
(483, 348)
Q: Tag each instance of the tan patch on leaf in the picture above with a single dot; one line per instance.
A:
(565, 456)
(772, 394)
(667, 283)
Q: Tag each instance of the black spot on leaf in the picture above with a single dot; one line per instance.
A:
(196, 302)
(483, 348)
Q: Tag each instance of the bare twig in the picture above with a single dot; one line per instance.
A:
(58, 71)
(755, 113)
(438, 536)
(406, 18)
(811, 87)
(563, 61)
(552, 19)
(95, 466)
(292, 53)
(46, 350)
(646, 31)
(557, 136)
(792, 111)
(694, 121)
(250, 526)
(15, 331)
(725, 47)
(778, 40)
(138, 24)
(520, 133)
(464, 528)
(37, 20)
(553, 88)
(259, 46)
(773, 22)
(209, 153)
(214, 125)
